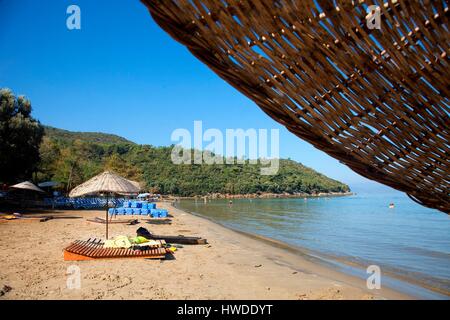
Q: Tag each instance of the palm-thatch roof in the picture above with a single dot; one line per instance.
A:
(106, 182)
(27, 185)
(375, 99)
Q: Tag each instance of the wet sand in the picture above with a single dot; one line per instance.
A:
(231, 266)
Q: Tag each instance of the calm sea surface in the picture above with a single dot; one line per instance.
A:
(410, 243)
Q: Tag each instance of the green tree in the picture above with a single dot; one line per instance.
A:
(20, 138)
(74, 157)
(120, 166)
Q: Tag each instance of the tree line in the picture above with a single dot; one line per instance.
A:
(73, 157)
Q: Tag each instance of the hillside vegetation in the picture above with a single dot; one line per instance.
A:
(73, 157)
(97, 137)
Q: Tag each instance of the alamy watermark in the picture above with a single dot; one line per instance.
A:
(374, 280)
(73, 281)
(73, 21)
(236, 146)
(373, 17)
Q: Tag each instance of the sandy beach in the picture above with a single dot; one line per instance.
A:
(231, 266)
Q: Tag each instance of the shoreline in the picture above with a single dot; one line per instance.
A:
(265, 195)
(231, 266)
(300, 252)
(351, 268)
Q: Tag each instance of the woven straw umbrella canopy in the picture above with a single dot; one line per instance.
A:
(27, 185)
(108, 183)
(367, 85)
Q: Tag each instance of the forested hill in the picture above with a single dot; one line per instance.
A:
(73, 157)
(98, 137)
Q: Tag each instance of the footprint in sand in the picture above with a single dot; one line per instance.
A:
(115, 282)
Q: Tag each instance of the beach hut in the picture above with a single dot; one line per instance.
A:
(368, 85)
(107, 183)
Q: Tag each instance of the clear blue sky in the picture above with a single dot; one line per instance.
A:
(122, 74)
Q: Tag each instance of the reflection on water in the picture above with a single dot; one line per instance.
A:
(409, 241)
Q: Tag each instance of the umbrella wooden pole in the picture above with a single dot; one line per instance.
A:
(107, 208)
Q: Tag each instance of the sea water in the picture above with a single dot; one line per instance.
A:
(410, 243)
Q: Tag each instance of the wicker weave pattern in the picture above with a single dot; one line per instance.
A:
(377, 100)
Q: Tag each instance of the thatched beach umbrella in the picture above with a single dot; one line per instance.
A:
(27, 185)
(108, 183)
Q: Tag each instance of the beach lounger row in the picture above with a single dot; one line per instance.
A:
(154, 213)
(138, 205)
(81, 203)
